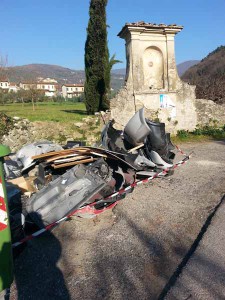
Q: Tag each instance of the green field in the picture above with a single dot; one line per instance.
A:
(47, 111)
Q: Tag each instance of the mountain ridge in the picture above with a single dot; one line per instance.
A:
(209, 76)
(34, 70)
(184, 66)
(65, 75)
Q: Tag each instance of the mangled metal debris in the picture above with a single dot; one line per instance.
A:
(63, 179)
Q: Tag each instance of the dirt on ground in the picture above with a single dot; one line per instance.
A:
(132, 251)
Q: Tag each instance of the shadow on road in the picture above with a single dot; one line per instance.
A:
(221, 142)
(36, 273)
(147, 267)
(128, 266)
(202, 260)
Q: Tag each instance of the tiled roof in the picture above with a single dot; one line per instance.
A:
(45, 90)
(150, 25)
(73, 85)
(47, 83)
(30, 83)
(3, 79)
(154, 25)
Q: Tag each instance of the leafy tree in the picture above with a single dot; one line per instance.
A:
(96, 59)
(111, 63)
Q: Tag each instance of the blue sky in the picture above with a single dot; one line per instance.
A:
(54, 31)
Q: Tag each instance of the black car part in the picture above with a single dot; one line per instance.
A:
(68, 192)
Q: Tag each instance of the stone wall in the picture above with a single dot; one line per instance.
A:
(191, 112)
(125, 104)
(25, 132)
(208, 112)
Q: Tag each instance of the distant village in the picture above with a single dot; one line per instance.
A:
(48, 86)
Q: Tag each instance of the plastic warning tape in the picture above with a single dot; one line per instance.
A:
(182, 152)
(3, 209)
(90, 208)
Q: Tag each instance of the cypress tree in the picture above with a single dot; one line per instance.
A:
(96, 59)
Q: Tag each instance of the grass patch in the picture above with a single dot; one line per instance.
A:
(47, 111)
(190, 138)
(204, 133)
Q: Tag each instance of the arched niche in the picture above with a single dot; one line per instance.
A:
(153, 66)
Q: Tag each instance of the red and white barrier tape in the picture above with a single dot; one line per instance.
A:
(90, 208)
(179, 150)
(3, 211)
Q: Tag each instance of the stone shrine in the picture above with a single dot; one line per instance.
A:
(152, 80)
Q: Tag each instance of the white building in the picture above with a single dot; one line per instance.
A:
(50, 88)
(13, 87)
(27, 85)
(72, 90)
(49, 80)
(4, 84)
(8, 86)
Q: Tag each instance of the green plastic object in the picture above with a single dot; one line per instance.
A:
(6, 261)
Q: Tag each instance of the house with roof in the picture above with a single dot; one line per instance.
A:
(72, 90)
(50, 89)
(49, 80)
(13, 87)
(4, 84)
(28, 85)
(7, 86)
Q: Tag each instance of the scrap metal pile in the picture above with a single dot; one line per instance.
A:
(59, 180)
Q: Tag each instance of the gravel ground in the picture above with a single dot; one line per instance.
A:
(132, 251)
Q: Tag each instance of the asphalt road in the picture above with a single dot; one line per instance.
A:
(133, 251)
(203, 277)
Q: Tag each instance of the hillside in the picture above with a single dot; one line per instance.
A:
(184, 66)
(33, 71)
(181, 68)
(119, 71)
(63, 75)
(209, 76)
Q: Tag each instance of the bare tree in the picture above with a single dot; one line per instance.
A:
(3, 67)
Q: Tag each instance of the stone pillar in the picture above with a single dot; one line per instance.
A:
(152, 80)
(172, 75)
